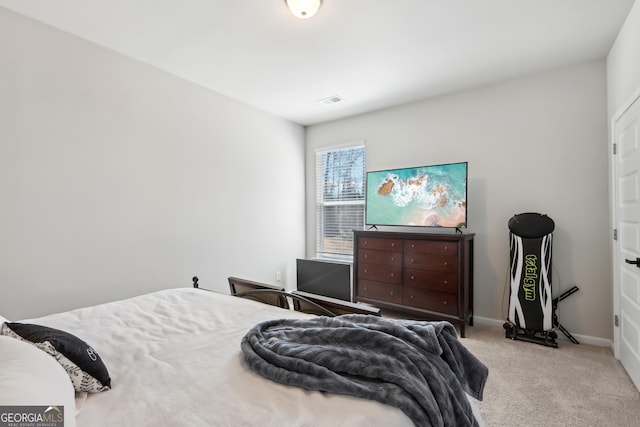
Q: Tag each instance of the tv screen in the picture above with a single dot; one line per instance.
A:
(426, 196)
(331, 279)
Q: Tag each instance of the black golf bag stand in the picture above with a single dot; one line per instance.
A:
(532, 316)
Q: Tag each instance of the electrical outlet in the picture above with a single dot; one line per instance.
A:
(278, 276)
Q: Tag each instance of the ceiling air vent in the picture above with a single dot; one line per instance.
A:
(335, 99)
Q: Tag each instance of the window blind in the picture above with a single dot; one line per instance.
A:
(340, 198)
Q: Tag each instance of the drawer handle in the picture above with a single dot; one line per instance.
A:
(446, 248)
(412, 261)
(366, 271)
(393, 258)
(444, 302)
(366, 288)
(413, 245)
(391, 293)
(411, 297)
(446, 282)
(445, 264)
(393, 244)
(366, 255)
(413, 277)
(365, 242)
(391, 274)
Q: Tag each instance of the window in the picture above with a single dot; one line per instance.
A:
(340, 198)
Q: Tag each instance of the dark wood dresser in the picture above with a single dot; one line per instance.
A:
(422, 274)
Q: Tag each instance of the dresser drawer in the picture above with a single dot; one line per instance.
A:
(431, 247)
(442, 302)
(380, 244)
(369, 256)
(380, 291)
(423, 261)
(380, 273)
(431, 280)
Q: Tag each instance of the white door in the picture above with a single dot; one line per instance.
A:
(626, 199)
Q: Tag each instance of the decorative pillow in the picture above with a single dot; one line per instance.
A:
(82, 363)
(30, 377)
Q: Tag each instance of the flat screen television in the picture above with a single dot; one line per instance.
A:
(331, 279)
(424, 196)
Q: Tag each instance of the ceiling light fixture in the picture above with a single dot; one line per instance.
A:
(303, 8)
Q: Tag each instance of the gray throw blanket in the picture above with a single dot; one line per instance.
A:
(418, 367)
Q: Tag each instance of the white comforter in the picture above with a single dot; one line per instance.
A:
(175, 360)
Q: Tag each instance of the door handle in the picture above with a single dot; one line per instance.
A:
(636, 262)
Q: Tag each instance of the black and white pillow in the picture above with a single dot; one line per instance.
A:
(82, 363)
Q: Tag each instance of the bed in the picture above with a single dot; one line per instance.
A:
(174, 357)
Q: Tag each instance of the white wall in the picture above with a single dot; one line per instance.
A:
(623, 63)
(535, 144)
(117, 179)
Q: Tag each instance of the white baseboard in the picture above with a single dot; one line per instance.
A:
(583, 339)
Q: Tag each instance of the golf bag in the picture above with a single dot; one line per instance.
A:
(531, 306)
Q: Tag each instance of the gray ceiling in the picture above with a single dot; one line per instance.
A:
(372, 53)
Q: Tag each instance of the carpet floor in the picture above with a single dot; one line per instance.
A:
(533, 385)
